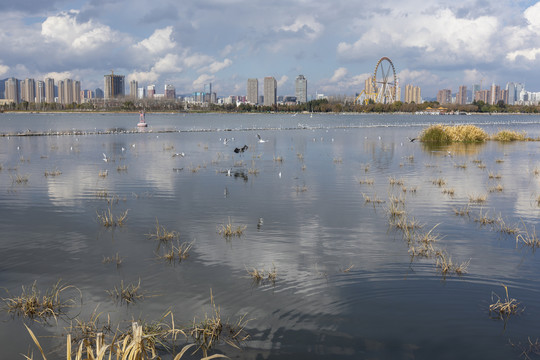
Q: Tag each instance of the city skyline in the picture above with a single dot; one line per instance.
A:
(436, 45)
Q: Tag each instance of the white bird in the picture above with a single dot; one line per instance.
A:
(132, 145)
(279, 174)
(260, 139)
(225, 141)
(123, 149)
(228, 172)
(105, 158)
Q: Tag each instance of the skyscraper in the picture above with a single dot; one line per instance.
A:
(170, 91)
(412, 94)
(270, 91)
(151, 91)
(68, 92)
(301, 89)
(444, 96)
(461, 97)
(28, 90)
(40, 91)
(49, 90)
(61, 92)
(114, 86)
(253, 91)
(76, 91)
(133, 86)
(12, 89)
(495, 94)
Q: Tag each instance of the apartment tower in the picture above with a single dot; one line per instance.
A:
(270, 91)
(253, 91)
(301, 89)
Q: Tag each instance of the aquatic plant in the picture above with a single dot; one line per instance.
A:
(503, 307)
(107, 219)
(446, 134)
(497, 188)
(31, 303)
(462, 212)
(229, 230)
(527, 237)
(180, 250)
(127, 294)
(439, 182)
(117, 259)
(509, 135)
(477, 198)
(162, 234)
(259, 276)
(53, 173)
(447, 266)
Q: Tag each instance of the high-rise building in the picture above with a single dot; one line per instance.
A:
(12, 89)
(141, 92)
(270, 91)
(170, 91)
(151, 91)
(253, 91)
(76, 91)
(28, 90)
(40, 91)
(99, 93)
(495, 94)
(301, 89)
(133, 86)
(412, 94)
(444, 96)
(68, 92)
(61, 92)
(114, 86)
(461, 97)
(49, 90)
(369, 88)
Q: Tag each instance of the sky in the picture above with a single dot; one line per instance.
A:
(335, 44)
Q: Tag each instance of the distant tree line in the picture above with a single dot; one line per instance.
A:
(316, 106)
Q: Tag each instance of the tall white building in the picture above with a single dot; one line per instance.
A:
(12, 90)
(40, 91)
(133, 86)
(28, 90)
(270, 91)
(301, 89)
(49, 90)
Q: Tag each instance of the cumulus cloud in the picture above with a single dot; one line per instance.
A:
(85, 36)
(216, 66)
(57, 76)
(3, 69)
(203, 79)
(338, 74)
(282, 80)
(159, 42)
(305, 25)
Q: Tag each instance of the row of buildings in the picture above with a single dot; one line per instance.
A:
(65, 91)
(269, 96)
(513, 94)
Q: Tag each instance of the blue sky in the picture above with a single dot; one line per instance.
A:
(335, 44)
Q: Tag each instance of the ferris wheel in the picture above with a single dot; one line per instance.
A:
(385, 81)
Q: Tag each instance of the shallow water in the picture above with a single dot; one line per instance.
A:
(315, 226)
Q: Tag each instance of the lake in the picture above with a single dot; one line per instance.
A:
(317, 199)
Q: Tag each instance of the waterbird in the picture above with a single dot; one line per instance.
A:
(178, 154)
(260, 139)
(241, 150)
(260, 223)
(411, 140)
(105, 158)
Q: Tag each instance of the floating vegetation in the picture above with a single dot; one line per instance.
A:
(180, 252)
(107, 219)
(503, 307)
(447, 266)
(116, 259)
(439, 182)
(509, 135)
(229, 230)
(31, 303)
(528, 238)
(212, 329)
(477, 198)
(366, 181)
(20, 179)
(53, 173)
(260, 276)
(126, 294)
(395, 210)
(121, 168)
(446, 134)
(103, 173)
(375, 200)
(497, 188)
(462, 212)
(163, 234)
(393, 181)
(493, 175)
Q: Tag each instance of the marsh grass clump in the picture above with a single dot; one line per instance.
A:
(31, 303)
(20, 179)
(53, 173)
(484, 219)
(446, 134)
(107, 219)
(509, 135)
(447, 266)
(464, 211)
(121, 168)
(212, 330)
(439, 182)
(461, 166)
(260, 276)
(372, 199)
(366, 181)
(162, 234)
(505, 228)
(477, 198)
(395, 210)
(278, 159)
(103, 173)
(503, 307)
(496, 188)
(338, 160)
(229, 230)
(116, 259)
(126, 294)
(493, 175)
(180, 251)
(528, 238)
(448, 191)
(393, 181)
(531, 347)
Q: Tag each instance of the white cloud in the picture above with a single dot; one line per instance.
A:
(158, 42)
(167, 64)
(282, 81)
(3, 69)
(65, 28)
(201, 80)
(216, 66)
(197, 60)
(146, 77)
(57, 76)
(416, 77)
(532, 15)
(339, 74)
(305, 24)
